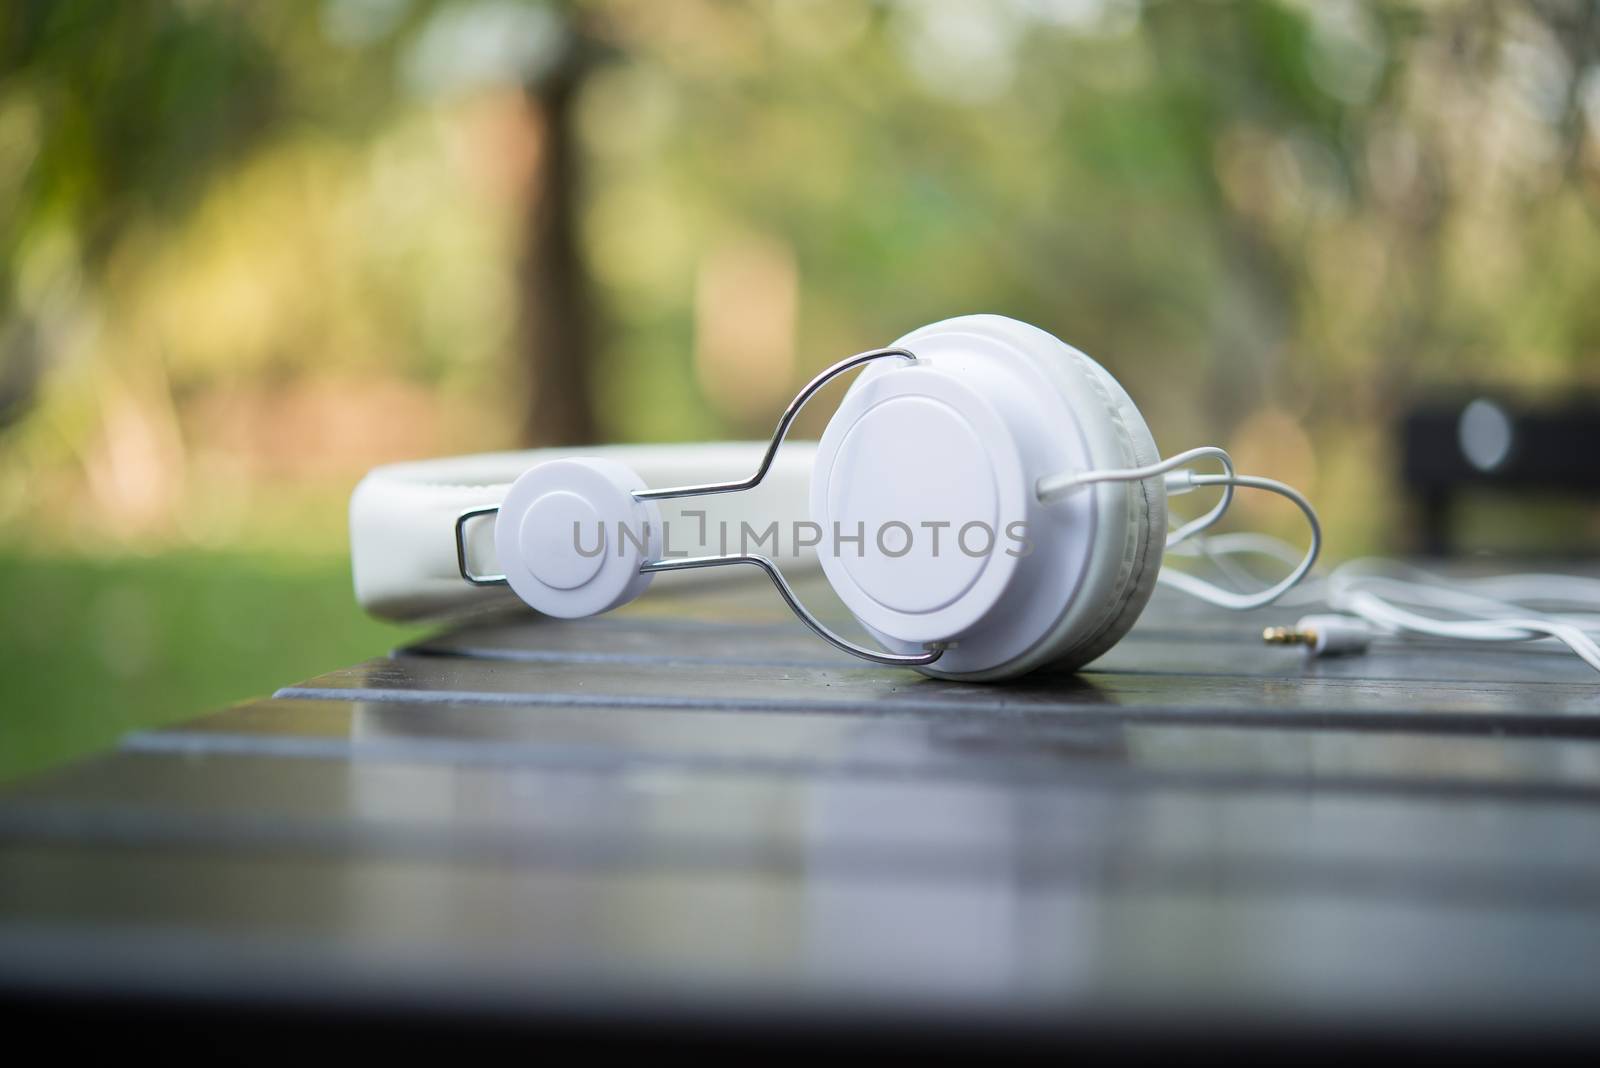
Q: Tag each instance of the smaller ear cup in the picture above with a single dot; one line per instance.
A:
(571, 536)
(1099, 550)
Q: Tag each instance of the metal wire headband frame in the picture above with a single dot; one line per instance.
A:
(877, 656)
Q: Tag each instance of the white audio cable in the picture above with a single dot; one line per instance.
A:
(1178, 481)
(1368, 598)
(1372, 597)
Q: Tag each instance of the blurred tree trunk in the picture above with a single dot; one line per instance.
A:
(557, 329)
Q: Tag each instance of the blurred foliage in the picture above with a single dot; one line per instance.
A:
(248, 250)
(92, 649)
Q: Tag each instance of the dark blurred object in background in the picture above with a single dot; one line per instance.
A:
(1519, 453)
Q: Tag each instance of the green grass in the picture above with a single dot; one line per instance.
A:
(92, 649)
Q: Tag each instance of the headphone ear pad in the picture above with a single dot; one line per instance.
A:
(1146, 503)
(1132, 518)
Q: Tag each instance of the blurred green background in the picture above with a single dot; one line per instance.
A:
(249, 250)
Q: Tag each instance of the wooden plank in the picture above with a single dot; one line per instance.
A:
(333, 927)
(1049, 749)
(1260, 838)
(1562, 709)
(699, 643)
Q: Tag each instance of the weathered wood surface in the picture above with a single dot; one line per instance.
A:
(693, 811)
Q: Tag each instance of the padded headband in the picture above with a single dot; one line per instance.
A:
(403, 516)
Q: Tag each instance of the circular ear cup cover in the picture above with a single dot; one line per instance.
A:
(1131, 529)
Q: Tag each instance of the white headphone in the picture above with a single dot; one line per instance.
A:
(987, 500)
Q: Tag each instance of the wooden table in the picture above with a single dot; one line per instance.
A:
(693, 821)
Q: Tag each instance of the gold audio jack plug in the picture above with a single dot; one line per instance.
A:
(1289, 636)
(1324, 635)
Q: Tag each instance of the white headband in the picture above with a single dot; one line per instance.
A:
(403, 516)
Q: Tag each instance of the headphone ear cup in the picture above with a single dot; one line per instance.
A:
(1131, 522)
